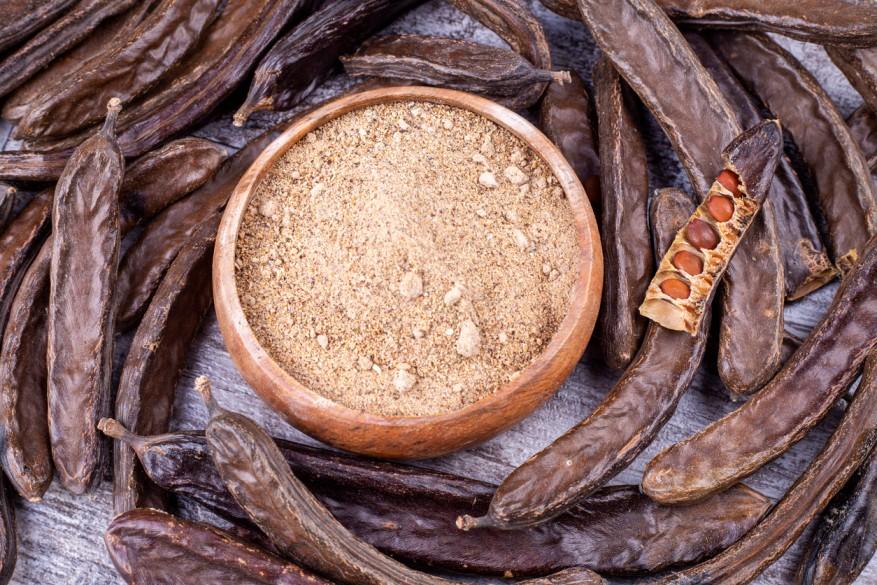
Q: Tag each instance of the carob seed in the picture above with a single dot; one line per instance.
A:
(688, 262)
(701, 235)
(675, 288)
(720, 207)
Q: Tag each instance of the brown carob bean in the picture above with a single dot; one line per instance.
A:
(157, 44)
(754, 283)
(501, 74)
(149, 546)
(22, 18)
(566, 118)
(688, 262)
(721, 208)
(615, 531)
(248, 461)
(624, 227)
(790, 405)
(844, 452)
(66, 32)
(85, 258)
(863, 127)
(838, 167)
(753, 157)
(32, 166)
(806, 265)
(513, 21)
(846, 535)
(595, 450)
(145, 397)
(860, 67)
(302, 59)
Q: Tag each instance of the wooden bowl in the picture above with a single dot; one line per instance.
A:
(425, 436)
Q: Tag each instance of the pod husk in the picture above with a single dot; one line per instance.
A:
(514, 23)
(23, 18)
(863, 127)
(784, 411)
(860, 67)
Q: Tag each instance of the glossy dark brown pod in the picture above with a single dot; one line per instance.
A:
(860, 67)
(497, 73)
(843, 181)
(66, 32)
(806, 265)
(615, 531)
(22, 18)
(844, 452)
(142, 542)
(624, 224)
(299, 61)
(595, 450)
(255, 472)
(786, 409)
(567, 119)
(863, 126)
(145, 397)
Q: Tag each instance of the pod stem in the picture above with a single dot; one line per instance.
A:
(116, 430)
(203, 387)
(561, 77)
(249, 108)
(114, 106)
(467, 522)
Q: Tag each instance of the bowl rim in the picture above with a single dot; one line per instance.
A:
(300, 404)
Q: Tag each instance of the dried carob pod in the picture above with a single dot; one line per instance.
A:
(863, 127)
(846, 535)
(157, 44)
(627, 247)
(66, 32)
(145, 397)
(567, 119)
(843, 181)
(596, 449)
(692, 268)
(150, 546)
(860, 67)
(793, 402)
(615, 531)
(8, 536)
(22, 18)
(249, 461)
(844, 452)
(7, 202)
(498, 73)
(302, 59)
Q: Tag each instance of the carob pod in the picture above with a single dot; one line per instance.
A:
(22, 18)
(595, 450)
(497, 73)
(860, 67)
(754, 283)
(806, 265)
(615, 531)
(838, 167)
(66, 32)
(85, 259)
(157, 44)
(567, 119)
(689, 273)
(844, 452)
(150, 546)
(846, 535)
(8, 536)
(255, 472)
(863, 127)
(145, 397)
(304, 57)
(786, 409)
(624, 223)
(7, 202)
(150, 184)
(844, 22)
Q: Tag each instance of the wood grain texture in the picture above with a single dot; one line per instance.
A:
(60, 538)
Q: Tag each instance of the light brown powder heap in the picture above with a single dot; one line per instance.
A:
(407, 259)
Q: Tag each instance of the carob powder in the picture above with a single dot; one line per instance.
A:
(406, 259)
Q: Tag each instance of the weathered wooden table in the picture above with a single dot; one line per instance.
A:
(60, 539)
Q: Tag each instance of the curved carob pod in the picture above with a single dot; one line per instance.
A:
(296, 522)
(844, 452)
(860, 68)
(500, 74)
(806, 265)
(157, 44)
(595, 450)
(786, 409)
(843, 181)
(22, 18)
(567, 119)
(627, 246)
(19, 66)
(142, 542)
(513, 22)
(301, 60)
(690, 271)
(145, 397)
(846, 535)
(616, 531)
(754, 283)
(863, 127)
